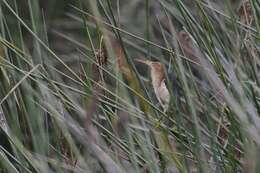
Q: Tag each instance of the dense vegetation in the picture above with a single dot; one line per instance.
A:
(74, 96)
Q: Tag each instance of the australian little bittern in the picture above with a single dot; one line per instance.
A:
(159, 82)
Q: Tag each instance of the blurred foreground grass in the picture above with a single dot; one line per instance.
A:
(72, 98)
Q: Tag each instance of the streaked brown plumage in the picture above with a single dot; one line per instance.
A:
(158, 82)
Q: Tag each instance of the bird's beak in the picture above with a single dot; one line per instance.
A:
(147, 62)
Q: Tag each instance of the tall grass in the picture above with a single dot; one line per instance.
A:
(72, 98)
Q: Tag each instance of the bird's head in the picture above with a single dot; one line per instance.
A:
(157, 70)
(157, 67)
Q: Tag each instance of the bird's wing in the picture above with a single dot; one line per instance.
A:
(164, 93)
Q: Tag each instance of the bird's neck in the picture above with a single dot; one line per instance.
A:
(157, 78)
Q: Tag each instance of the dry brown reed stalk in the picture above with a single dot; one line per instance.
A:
(120, 128)
(121, 60)
(245, 12)
(101, 60)
(92, 138)
(122, 123)
(195, 55)
(91, 109)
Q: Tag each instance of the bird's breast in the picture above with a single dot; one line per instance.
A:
(163, 93)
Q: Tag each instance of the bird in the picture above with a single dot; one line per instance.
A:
(158, 82)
